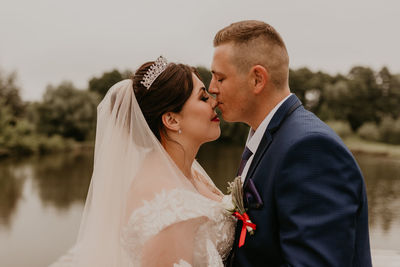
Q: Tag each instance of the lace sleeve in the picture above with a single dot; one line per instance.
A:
(162, 232)
(213, 257)
(172, 244)
(182, 263)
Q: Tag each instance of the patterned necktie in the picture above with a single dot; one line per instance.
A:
(245, 157)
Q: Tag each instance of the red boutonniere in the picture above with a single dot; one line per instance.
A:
(235, 189)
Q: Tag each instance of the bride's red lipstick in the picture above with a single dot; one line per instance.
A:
(216, 119)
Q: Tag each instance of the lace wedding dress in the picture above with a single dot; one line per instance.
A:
(212, 241)
(140, 209)
(169, 211)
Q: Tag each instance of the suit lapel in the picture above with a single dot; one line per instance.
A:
(290, 105)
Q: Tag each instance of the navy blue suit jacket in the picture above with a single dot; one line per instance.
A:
(314, 210)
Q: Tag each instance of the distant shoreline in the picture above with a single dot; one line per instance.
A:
(359, 146)
(356, 145)
(72, 147)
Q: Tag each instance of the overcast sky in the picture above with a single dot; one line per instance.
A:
(48, 41)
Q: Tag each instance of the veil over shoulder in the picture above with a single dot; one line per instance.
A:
(140, 209)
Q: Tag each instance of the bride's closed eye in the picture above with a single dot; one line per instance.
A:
(204, 96)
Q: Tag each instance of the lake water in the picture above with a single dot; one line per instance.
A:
(41, 200)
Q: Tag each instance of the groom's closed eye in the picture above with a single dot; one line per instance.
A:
(219, 78)
(218, 75)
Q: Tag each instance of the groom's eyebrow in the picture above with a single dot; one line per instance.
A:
(217, 73)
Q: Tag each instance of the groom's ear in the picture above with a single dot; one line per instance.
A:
(259, 78)
(171, 121)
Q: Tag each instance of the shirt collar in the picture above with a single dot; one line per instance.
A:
(254, 137)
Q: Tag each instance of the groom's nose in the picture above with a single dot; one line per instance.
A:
(212, 88)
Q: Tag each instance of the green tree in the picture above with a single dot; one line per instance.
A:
(389, 130)
(362, 97)
(205, 75)
(10, 93)
(389, 86)
(308, 86)
(102, 84)
(68, 112)
(298, 82)
(16, 132)
(354, 98)
(333, 107)
(16, 135)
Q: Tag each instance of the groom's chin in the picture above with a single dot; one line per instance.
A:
(223, 115)
(227, 118)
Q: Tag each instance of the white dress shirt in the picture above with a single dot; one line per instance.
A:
(254, 137)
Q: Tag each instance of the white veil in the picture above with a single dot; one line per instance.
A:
(130, 168)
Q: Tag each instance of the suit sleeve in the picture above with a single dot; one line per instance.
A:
(318, 193)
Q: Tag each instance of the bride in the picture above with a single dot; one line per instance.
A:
(149, 202)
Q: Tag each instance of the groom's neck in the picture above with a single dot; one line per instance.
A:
(264, 106)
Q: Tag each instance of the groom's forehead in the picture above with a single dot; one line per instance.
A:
(222, 63)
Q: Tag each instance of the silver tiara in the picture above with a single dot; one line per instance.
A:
(154, 71)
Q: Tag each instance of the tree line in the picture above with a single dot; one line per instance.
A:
(362, 102)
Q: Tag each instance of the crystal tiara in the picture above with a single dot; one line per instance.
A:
(154, 71)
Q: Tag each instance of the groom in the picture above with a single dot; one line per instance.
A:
(302, 187)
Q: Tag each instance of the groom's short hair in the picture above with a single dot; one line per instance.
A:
(256, 43)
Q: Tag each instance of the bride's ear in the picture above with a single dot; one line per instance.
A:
(171, 121)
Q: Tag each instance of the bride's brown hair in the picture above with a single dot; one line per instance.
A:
(168, 93)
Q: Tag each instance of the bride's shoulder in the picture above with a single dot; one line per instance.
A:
(166, 208)
(172, 199)
(173, 205)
